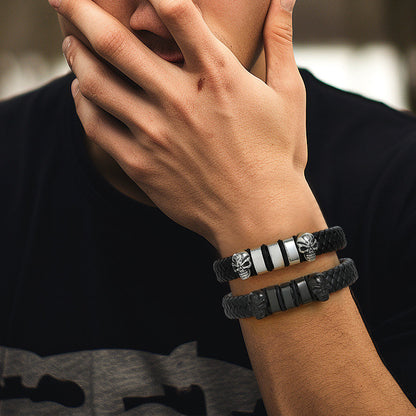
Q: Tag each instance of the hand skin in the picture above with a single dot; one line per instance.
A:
(235, 186)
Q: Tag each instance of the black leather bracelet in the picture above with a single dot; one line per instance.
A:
(312, 287)
(297, 249)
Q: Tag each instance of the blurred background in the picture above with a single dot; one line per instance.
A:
(368, 47)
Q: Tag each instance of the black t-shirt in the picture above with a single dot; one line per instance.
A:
(109, 307)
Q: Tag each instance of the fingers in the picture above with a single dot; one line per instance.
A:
(281, 66)
(190, 31)
(120, 47)
(102, 128)
(117, 45)
(102, 86)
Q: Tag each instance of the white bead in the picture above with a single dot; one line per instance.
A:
(258, 260)
(276, 256)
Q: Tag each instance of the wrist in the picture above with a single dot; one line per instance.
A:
(294, 212)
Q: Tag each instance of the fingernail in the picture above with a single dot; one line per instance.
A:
(287, 5)
(55, 3)
(66, 44)
(75, 87)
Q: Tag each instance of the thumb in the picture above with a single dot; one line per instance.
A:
(278, 43)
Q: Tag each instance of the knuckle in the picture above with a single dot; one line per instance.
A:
(217, 75)
(132, 162)
(151, 131)
(137, 166)
(281, 34)
(216, 66)
(159, 138)
(89, 86)
(110, 43)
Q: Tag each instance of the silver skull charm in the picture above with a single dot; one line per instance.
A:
(307, 245)
(241, 264)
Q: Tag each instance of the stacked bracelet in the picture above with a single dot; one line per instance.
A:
(297, 249)
(312, 287)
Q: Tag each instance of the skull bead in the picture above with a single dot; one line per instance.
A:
(319, 287)
(308, 246)
(241, 264)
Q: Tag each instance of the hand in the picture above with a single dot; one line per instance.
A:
(213, 146)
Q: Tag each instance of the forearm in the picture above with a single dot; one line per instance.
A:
(317, 359)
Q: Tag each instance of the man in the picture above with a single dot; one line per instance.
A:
(168, 155)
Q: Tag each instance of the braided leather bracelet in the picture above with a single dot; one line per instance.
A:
(300, 248)
(316, 286)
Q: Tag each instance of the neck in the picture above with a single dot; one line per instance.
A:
(113, 173)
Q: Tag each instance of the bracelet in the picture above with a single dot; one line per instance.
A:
(284, 253)
(312, 287)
